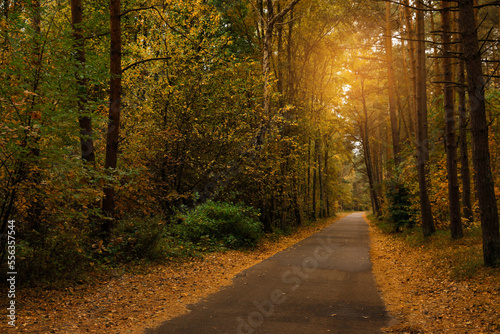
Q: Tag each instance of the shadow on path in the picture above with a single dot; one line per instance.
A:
(322, 284)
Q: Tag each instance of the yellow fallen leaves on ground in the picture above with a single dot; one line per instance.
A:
(427, 290)
(132, 302)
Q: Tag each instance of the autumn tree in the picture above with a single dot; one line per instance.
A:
(483, 177)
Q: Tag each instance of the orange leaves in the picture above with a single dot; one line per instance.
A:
(438, 287)
(35, 114)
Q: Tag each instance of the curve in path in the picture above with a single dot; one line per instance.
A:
(322, 284)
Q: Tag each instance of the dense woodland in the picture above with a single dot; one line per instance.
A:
(155, 130)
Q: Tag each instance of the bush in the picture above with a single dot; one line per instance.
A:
(219, 224)
(400, 209)
(136, 238)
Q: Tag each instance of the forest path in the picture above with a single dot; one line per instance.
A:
(322, 284)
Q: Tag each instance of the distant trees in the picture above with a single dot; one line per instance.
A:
(129, 113)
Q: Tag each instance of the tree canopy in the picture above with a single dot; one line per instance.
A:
(119, 119)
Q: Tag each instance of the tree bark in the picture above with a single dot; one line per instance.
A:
(320, 180)
(449, 111)
(437, 86)
(391, 85)
(85, 122)
(410, 35)
(367, 154)
(462, 142)
(115, 91)
(483, 177)
(422, 131)
(326, 175)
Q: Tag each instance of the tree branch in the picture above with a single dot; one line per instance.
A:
(143, 61)
(283, 12)
(136, 10)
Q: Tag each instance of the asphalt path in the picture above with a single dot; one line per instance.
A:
(322, 284)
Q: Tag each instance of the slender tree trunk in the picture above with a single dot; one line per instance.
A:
(464, 150)
(326, 175)
(290, 65)
(115, 91)
(449, 111)
(296, 202)
(483, 177)
(279, 61)
(266, 58)
(437, 86)
(86, 142)
(463, 131)
(308, 189)
(367, 155)
(410, 35)
(391, 84)
(314, 215)
(320, 180)
(407, 116)
(422, 134)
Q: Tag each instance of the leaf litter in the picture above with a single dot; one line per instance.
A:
(424, 293)
(132, 302)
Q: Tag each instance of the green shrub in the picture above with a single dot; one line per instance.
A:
(57, 255)
(400, 209)
(136, 238)
(220, 224)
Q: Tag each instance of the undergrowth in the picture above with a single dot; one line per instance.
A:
(463, 257)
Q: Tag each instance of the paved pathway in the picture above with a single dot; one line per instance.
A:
(323, 284)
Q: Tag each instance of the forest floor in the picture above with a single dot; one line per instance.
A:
(436, 285)
(140, 298)
(429, 286)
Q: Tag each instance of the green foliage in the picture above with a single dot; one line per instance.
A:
(400, 213)
(135, 238)
(57, 253)
(219, 224)
(189, 121)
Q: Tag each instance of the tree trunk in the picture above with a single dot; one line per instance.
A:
(480, 141)
(410, 35)
(314, 215)
(462, 142)
(437, 86)
(296, 202)
(86, 142)
(422, 131)
(290, 65)
(449, 111)
(391, 85)
(115, 91)
(308, 189)
(326, 188)
(279, 62)
(320, 180)
(367, 155)
(266, 59)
